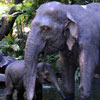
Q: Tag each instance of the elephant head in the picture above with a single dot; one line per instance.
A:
(52, 28)
(45, 75)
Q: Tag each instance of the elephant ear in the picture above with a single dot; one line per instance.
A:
(73, 31)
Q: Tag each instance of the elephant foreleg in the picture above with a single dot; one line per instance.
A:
(9, 88)
(20, 94)
(38, 90)
(88, 60)
(68, 71)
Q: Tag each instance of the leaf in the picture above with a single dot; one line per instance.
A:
(19, 7)
(22, 17)
(10, 17)
(15, 47)
(28, 4)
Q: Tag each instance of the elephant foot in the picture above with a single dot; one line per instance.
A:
(69, 96)
(38, 98)
(85, 98)
(20, 95)
(83, 94)
(9, 97)
(22, 98)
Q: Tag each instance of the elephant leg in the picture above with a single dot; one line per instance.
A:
(9, 97)
(88, 60)
(38, 90)
(9, 88)
(68, 71)
(20, 95)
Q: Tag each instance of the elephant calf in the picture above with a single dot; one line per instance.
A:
(14, 75)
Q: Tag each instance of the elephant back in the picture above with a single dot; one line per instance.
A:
(4, 62)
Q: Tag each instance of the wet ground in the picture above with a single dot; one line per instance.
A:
(50, 93)
(96, 89)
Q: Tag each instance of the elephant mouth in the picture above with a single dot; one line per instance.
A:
(47, 82)
(50, 48)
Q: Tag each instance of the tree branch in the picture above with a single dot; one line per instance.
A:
(7, 25)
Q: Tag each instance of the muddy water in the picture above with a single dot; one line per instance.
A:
(96, 90)
(50, 93)
(2, 93)
(95, 95)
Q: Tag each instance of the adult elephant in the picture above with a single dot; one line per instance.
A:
(5, 61)
(74, 30)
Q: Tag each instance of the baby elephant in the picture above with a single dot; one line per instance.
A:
(14, 75)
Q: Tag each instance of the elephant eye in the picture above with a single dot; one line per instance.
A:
(47, 74)
(45, 28)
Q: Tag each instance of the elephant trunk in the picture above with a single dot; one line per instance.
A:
(55, 82)
(59, 89)
(34, 45)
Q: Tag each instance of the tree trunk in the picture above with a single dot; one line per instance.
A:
(7, 25)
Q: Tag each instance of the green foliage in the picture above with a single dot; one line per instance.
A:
(4, 9)
(11, 46)
(14, 43)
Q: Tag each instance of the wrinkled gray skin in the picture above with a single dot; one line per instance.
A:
(14, 78)
(2, 77)
(2, 81)
(74, 30)
(5, 63)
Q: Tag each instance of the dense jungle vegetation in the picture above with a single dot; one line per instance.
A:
(15, 19)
